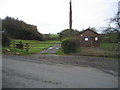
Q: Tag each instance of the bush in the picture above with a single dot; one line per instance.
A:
(5, 40)
(67, 33)
(69, 45)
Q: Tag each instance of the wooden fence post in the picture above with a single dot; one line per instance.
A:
(14, 44)
(27, 47)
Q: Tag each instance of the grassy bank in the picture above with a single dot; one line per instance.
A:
(34, 47)
(105, 50)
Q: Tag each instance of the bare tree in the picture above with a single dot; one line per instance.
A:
(115, 20)
(114, 25)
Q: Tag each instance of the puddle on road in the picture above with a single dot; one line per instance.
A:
(50, 48)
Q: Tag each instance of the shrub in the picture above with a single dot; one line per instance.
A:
(5, 40)
(67, 33)
(69, 45)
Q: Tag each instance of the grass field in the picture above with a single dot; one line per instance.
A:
(109, 46)
(34, 46)
(54, 35)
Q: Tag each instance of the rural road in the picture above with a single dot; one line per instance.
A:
(20, 72)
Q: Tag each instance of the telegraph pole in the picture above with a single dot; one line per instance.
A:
(70, 16)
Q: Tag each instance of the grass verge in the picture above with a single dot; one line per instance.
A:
(105, 50)
(97, 52)
(14, 51)
(60, 52)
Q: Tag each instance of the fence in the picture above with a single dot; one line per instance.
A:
(19, 45)
(31, 47)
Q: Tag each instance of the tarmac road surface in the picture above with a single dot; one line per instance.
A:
(20, 73)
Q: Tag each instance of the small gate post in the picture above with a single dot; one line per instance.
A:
(14, 45)
(27, 47)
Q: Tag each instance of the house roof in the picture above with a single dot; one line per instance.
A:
(89, 30)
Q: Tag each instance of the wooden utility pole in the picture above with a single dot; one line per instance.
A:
(70, 16)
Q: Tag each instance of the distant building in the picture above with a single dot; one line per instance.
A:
(88, 38)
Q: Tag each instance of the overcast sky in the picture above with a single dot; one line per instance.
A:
(52, 16)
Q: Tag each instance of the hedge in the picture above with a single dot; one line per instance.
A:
(69, 45)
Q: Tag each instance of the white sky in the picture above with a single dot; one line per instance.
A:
(52, 16)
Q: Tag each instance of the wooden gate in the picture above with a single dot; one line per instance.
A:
(19, 45)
